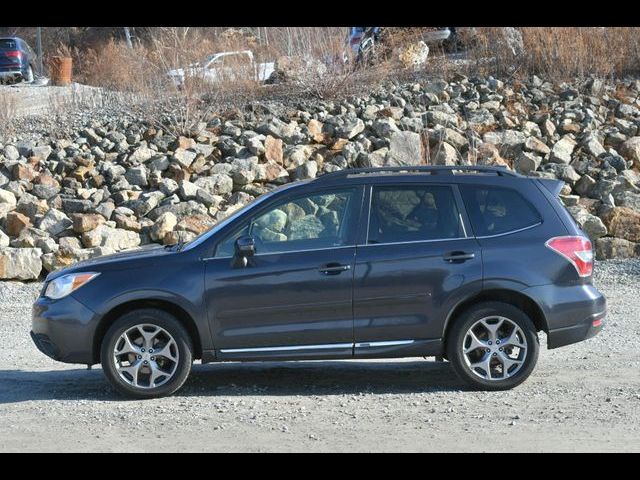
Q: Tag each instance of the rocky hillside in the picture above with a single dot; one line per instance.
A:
(118, 184)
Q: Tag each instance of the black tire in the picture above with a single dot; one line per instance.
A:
(29, 77)
(160, 319)
(456, 337)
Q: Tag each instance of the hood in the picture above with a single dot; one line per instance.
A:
(115, 261)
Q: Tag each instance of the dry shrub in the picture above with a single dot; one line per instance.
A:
(114, 66)
(581, 51)
(560, 53)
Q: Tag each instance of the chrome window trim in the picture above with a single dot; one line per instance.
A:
(287, 348)
(390, 343)
(415, 241)
(464, 229)
(510, 231)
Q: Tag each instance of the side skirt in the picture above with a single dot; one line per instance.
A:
(341, 351)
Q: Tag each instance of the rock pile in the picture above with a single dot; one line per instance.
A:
(119, 184)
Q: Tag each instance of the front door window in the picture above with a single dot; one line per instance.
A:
(309, 222)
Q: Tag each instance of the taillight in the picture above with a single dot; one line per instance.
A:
(577, 250)
(14, 54)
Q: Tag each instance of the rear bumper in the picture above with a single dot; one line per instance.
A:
(10, 73)
(590, 327)
(570, 312)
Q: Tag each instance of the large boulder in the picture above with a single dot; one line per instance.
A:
(16, 222)
(273, 149)
(163, 225)
(630, 150)
(216, 184)
(608, 247)
(20, 263)
(65, 257)
(55, 222)
(86, 222)
(562, 150)
(444, 154)
(7, 197)
(113, 238)
(405, 148)
(623, 222)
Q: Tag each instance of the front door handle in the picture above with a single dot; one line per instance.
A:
(458, 257)
(334, 268)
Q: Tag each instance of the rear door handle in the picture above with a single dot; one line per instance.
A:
(455, 257)
(334, 268)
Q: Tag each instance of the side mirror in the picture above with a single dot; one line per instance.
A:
(245, 247)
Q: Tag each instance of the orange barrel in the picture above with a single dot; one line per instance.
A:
(61, 71)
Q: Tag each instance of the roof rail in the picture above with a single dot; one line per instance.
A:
(431, 169)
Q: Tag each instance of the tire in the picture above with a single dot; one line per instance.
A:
(170, 368)
(29, 77)
(516, 331)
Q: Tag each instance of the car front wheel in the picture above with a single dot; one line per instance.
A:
(493, 346)
(147, 353)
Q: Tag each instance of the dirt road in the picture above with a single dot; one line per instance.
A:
(581, 397)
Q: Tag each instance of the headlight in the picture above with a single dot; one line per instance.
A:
(64, 285)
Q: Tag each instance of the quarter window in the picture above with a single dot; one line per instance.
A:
(305, 223)
(413, 213)
(495, 210)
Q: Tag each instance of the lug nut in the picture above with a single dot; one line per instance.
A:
(497, 342)
(150, 350)
(145, 362)
(154, 358)
(489, 343)
(500, 349)
(488, 350)
(495, 354)
(142, 350)
(139, 357)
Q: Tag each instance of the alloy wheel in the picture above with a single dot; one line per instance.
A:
(494, 348)
(146, 356)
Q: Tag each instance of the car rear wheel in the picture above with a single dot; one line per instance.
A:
(147, 353)
(493, 346)
(29, 76)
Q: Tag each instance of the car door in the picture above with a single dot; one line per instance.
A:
(415, 263)
(294, 296)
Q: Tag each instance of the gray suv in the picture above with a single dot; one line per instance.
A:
(464, 263)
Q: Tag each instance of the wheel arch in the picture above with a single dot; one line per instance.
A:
(512, 297)
(177, 311)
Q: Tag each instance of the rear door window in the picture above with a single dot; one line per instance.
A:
(496, 210)
(413, 213)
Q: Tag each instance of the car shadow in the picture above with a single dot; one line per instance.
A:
(245, 379)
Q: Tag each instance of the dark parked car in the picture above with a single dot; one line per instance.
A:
(17, 60)
(468, 263)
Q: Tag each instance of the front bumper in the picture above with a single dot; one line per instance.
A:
(570, 312)
(64, 329)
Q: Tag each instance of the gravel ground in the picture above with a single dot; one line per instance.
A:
(581, 397)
